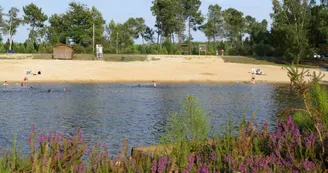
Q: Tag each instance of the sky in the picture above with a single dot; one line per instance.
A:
(121, 10)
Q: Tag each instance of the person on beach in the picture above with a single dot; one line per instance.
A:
(253, 79)
(25, 80)
(253, 70)
(5, 83)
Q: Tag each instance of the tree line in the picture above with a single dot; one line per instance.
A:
(298, 30)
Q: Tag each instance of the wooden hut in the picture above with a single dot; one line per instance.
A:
(62, 51)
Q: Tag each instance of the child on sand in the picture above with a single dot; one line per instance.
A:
(253, 79)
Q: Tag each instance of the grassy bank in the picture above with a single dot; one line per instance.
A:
(272, 61)
(90, 57)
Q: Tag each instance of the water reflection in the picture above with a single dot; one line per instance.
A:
(108, 112)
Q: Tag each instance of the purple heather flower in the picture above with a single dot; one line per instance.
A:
(42, 138)
(154, 166)
(290, 123)
(163, 161)
(190, 163)
(249, 129)
(79, 132)
(204, 169)
(230, 160)
(265, 126)
(213, 156)
(309, 166)
(33, 128)
(309, 140)
(199, 158)
(242, 168)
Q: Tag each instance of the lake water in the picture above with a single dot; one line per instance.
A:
(108, 112)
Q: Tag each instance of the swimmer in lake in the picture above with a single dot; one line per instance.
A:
(49, 90)
(154, 83)
(65, 89)
(31, 88)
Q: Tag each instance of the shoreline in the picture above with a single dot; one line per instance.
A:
(165, 70)
(144, 81)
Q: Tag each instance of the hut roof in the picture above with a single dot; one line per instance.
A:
(65, 45)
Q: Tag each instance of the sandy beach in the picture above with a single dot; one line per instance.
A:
(168, 69)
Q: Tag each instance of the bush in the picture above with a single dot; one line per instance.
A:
(262, 49)
(188, 131)
(79, 49)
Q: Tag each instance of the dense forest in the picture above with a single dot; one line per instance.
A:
(298, 30)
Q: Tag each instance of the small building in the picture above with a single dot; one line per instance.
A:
(62, 51)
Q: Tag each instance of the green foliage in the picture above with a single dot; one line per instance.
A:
(319, 98)
(291, 18)
(303, 121)
(123, 35)
(213, 28)
(11, 23)
(164, 51)
(34, 16)
(262, 49)
(234, 24)
(76, 23)
(29, 48)
(187, 130)
(78, 49)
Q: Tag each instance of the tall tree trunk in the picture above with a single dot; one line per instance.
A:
(173, 44)
(158, 40)
(10, 36)
(214, 40)
(179, 40)
(189, 36)
(160, 43)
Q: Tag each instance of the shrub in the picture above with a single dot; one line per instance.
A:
(187, 130)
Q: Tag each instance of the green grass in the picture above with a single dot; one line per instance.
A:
(43, 56)
(127, 58)
(90, 57)
(248, 60)
(4, 58)
(269, 61)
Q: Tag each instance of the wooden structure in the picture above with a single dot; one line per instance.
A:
(184, 49)
(62, 51)
(202, 48)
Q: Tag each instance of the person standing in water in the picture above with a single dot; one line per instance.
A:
(253, 79)
(5, 83)
(65, 89)
(25, 80)
(154, 84)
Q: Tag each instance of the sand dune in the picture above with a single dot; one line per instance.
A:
(167, 69)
